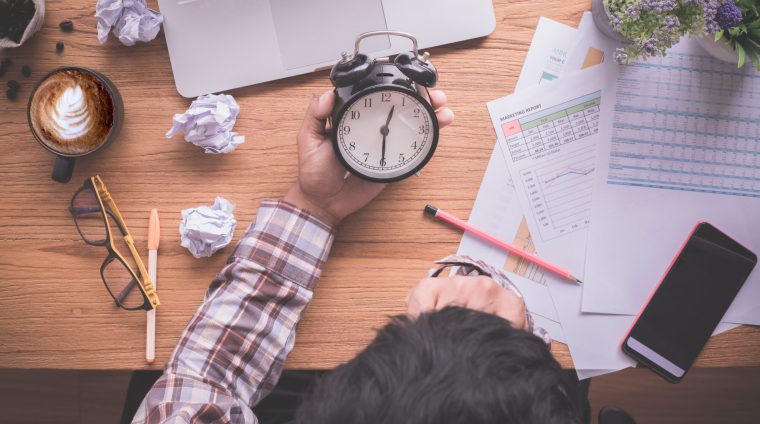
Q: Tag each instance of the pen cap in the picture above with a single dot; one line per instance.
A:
(154, 231)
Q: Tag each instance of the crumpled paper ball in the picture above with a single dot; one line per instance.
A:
(131, 21)
(208, 123)
(206, 229)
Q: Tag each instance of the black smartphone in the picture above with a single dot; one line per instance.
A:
(689, 302)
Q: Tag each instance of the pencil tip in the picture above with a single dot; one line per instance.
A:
(578, 281)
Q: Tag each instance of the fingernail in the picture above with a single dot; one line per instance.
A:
(323, 97)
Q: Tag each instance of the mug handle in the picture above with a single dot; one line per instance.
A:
(63, 168)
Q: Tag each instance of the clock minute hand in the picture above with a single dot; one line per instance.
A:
(384, 130)
(390, 115)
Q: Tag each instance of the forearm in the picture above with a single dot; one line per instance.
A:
(234, 348)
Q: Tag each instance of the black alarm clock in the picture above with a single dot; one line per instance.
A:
(384, 126)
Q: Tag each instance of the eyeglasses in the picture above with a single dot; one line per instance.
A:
(93, 211)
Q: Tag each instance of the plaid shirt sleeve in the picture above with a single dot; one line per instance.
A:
(233, 350)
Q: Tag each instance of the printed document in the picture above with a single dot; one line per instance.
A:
(684, 148)
(548, 135)
(497, 207)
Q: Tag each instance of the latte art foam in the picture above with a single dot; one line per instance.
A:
(70, 115)
(72, 112)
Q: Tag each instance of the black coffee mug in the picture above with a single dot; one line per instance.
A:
(64, 162)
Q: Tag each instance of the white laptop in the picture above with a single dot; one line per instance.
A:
(218, 45)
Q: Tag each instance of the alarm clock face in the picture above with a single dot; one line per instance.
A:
(386, 134)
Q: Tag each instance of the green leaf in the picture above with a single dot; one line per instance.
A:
(718, 35)
(742, 55)
(754, 24)
(738, 30)
(752, 56)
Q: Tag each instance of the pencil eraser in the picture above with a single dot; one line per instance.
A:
(431, 210)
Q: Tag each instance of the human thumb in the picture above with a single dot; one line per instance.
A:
(314, 122)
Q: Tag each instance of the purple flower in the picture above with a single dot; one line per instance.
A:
(672, 22)
(659, 6)
(621, 56)
(633, 12)
(709, 10)
(616, 22)
(728, 15)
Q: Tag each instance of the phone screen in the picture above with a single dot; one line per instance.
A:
(690, 302)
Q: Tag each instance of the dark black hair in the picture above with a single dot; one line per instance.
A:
(455, 365)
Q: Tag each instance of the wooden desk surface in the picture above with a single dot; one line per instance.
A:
(54, 310)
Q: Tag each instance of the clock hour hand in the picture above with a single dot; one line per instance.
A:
(384, 130)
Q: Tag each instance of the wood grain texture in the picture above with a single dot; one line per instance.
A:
(55, 312)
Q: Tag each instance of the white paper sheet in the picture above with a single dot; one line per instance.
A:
(684, 148)
(497, 210)
(548, 53)
(548, 136)
(496, 207)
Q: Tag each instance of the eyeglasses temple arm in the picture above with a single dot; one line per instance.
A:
(148, 285)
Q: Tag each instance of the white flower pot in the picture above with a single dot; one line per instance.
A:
(601, 15)
(718, 49)
(32, 27)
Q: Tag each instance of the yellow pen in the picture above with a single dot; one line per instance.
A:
(154, 234)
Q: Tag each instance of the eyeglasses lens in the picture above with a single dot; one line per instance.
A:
(122, 284)
(88, 216)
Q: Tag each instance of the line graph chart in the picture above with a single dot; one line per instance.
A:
(568, 172)
(560, 192)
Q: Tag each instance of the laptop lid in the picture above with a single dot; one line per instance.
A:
(218, 45)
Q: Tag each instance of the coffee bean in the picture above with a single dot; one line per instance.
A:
(66, 26)
(10, 94)
(15, 15)
(26, 71)
(13, 85)
(59, 46)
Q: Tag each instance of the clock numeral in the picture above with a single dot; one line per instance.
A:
(355, 114)
(367, 102)
(414, 145)
(366, 156)
(352, 146)
(403, 101)
(416, 113)
(383, 162)
(385, 97)
(422, 130)
(401, 158)
(346, 130)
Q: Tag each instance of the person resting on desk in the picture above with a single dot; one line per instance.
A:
(464, 353)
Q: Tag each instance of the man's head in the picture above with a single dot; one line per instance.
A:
(454, 365)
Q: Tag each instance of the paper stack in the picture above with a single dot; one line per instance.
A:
(565, 180)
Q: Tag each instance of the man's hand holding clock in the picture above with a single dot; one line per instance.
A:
(321, 187)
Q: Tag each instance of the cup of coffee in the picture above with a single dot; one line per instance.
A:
(73, 112)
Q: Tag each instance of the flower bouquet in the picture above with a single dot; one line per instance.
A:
(651, 27)
(739, 23)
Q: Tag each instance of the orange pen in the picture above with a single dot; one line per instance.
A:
(154, 234)
(451, 219)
